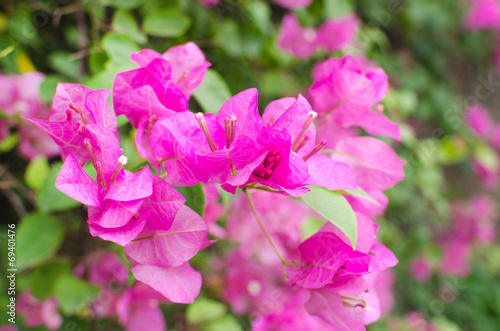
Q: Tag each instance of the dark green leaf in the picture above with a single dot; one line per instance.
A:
(74, 293)
(195, 197)
(166, 23)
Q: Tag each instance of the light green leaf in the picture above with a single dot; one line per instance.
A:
(166, 23)
(124, 22)
(37, 172)
(127, 4)
(212, 92)
(45, 278)
(9, 143)
(74, 293)
(51, 199)
(335, 208)
(204, 310)
(195, 197)
(359, 192)
(38, 238)
(226, 323)
(119, 47)
(335, 8)
(228, 38)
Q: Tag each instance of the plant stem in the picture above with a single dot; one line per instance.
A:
(250, 201)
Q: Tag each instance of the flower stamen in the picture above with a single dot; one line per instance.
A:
(298, 140)
(204, 129)
(315, 150)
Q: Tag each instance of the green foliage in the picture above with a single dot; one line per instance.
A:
(74, 293)
(166, 23)
(51, 199)
(36, 172)
(39, 236)
(204, 310)
(195, 197)
(335, 208)
(212, 92)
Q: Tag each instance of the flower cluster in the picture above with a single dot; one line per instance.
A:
(270, 157)
(21, 97)
(302, 42)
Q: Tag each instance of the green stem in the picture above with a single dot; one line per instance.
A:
(252, 206)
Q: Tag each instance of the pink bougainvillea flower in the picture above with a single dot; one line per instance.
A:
(291, 161)
(163, 84)
(291, 316)
(187, 61)
(455, 261)
(74, 107)
(478, 120)
(384, 288)
(350, 94)
(172, 247)
(337, 33)
(293, 4)
(180, 284)
(283, 217)
(200, 148)
(373, 162)
(138, 309)
(330, 307)
(79, 104)
(21, 93)
(38, 312)
(296, 40)
(420, 269)
(21, 96)
(321, 256)
(484, 14)
(119, 202)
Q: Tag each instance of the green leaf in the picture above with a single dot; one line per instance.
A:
(212, 92)
(228, 38)
(260, 14)
(37, 172)
(74, 293)
(119, 47)
(48, 87)
(64, 64)
(335, 8)
(204, 310)
(195, 197)
(335, 208)
(45, 278)
(309, 227)
(226, 323)
(38, 238)
(127, 4)
(124, 22)
(166, 23)
(51, 199)
(9, 143)
(359, 192)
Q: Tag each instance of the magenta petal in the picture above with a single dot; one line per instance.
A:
(163, 204)
(114, 214)
(322, 255)
(188, 66)
(144, 57)
(295, 39)
(105, 146)
(275, 109)
(330, 174)
(67, 93)
(369, 314)
(382, 258)
(76, 183)
(338, 32)
(379, 124)
(144, 317)
(180, 284)
(244, 106)
(122, 235)
(130, 186)
(373, 162)
(173, 247)
(328, 305)
(97, 103)
(65, 135)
